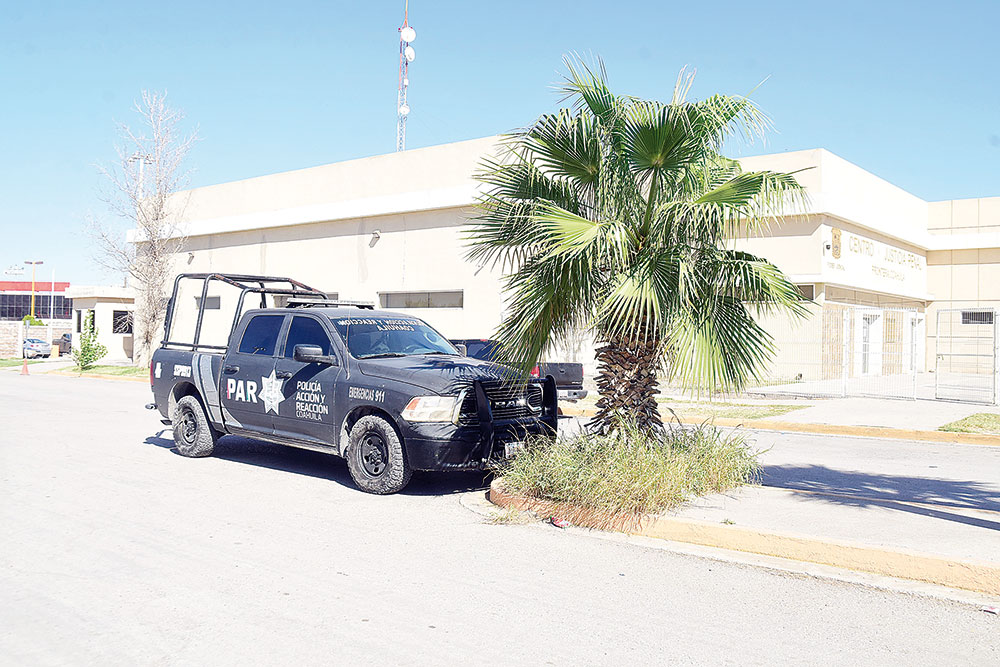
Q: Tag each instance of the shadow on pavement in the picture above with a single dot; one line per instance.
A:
(327, 466)
(860, 489)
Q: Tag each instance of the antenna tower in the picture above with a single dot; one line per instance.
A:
(406, 56)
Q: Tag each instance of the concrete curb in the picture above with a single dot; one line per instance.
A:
(831, 429)
(477, 502)
(979, 576)
(122, 378)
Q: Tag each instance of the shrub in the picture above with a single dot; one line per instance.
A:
(90, 351)
(30, 321)
(608, 480)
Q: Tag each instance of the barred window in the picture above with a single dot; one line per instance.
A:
(121, 322)
(440, 299)
(977, 317)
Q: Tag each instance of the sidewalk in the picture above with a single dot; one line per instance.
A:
(855, 414)
(939, 500)
(920, 415)
(928, 512)
(952, 528)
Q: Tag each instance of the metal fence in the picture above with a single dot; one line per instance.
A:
(847, 350)
(966, 355)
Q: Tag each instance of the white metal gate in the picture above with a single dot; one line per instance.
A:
(885, 351)
(966, 355)
(847, 350)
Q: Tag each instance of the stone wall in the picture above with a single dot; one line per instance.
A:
(10, 339)
(10, 335)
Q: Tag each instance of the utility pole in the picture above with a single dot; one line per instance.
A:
(406, 56)
(33, 265)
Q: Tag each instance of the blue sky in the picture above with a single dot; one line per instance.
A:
(907, 90)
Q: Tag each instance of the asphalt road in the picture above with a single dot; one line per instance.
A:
(116, 550)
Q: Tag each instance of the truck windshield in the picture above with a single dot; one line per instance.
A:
(370, 337)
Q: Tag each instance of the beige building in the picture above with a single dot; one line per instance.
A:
(112, 310)
(877, 262)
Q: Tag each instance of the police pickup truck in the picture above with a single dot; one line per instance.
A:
(384, 390)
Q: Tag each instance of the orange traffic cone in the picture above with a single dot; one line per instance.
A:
(24, 367)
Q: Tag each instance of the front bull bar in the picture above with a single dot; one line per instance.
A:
(484, 413)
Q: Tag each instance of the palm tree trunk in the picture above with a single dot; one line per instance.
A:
(627, 384)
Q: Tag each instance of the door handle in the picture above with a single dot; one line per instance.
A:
(284, 375)
(229, 370)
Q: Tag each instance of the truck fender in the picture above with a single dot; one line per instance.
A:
(177, 392)
(353, 416)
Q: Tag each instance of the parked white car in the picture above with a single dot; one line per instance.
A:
(34, 347)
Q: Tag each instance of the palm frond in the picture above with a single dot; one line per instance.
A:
(565, 146)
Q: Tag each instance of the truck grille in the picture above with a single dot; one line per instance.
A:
(507, 401)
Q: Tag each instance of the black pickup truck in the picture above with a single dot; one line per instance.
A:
(383, 390)
(568, 376)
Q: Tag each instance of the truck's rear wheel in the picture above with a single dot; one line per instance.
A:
(193, 435)
(375, 456)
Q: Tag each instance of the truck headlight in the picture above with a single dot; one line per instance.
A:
(432, 409)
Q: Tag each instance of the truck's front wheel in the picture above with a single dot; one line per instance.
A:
(193, 435)
(376, 458)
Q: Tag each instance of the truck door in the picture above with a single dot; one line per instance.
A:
(307, 413)
(249, 390)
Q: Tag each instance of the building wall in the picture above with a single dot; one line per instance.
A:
(960, 279)
(421, 251)
(857, 239)
(847, 192)
(794, 245)
(408, 180)
(119, 345)
(964, 216)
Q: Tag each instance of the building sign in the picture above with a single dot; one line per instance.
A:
(864, 263)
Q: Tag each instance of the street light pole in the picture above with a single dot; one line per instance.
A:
(142, 159)
(33, 265)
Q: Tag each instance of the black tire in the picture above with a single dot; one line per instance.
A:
(376, 458)
(193, 435)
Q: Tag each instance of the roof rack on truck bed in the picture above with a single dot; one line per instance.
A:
(247, 284)
(329, 303)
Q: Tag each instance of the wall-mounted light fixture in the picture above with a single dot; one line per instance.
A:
(376, 235)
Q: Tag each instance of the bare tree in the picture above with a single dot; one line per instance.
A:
(142, 187)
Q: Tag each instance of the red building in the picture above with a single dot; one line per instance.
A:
(50, 300)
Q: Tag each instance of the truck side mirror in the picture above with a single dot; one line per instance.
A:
(462, 349)
(313, 354)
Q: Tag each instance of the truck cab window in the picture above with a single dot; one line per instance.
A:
(306, 331)
(261, 335)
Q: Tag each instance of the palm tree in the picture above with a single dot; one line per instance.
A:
(613, 216)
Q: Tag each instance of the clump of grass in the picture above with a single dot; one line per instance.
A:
(4, 363)
(509, 516)
(612, 480)
(124, 371)
(981, 422)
